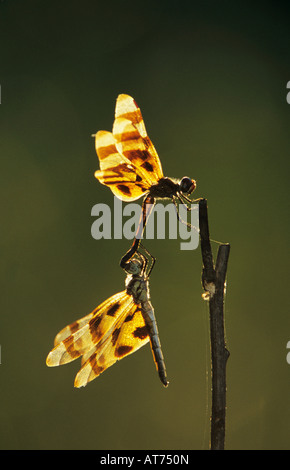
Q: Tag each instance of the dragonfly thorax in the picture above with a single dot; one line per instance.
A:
(169, 187)
(138, 287)
(165, 188)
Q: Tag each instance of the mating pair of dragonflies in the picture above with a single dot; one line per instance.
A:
(130, 167)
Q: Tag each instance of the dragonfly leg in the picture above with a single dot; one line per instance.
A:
(178, 216)
(192, 201)
(152, 258)
(190, 226)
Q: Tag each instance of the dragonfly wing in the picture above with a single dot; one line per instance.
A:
(130, 334)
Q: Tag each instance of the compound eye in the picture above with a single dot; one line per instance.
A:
(187, 185)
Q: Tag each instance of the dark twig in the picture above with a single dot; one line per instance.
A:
(213, 280)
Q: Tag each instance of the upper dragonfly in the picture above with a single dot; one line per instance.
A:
(116, 328)
(130, 166)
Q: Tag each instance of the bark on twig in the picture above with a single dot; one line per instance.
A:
(213, 280)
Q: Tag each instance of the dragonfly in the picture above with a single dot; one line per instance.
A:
(119, 326)
(130, 166)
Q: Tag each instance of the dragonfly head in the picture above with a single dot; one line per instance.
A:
(187, 185)
(134, 266)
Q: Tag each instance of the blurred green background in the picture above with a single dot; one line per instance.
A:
(210, 78)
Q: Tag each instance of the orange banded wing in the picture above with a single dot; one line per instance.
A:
(129, 163)
(132, 139)
(100, 324)
(70, 329)
(116, 171)
(130, 334)
(127, 108)
(135, 149)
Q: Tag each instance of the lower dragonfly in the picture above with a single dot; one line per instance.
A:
(116, 328)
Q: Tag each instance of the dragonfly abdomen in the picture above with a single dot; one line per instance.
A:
(150, 321)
